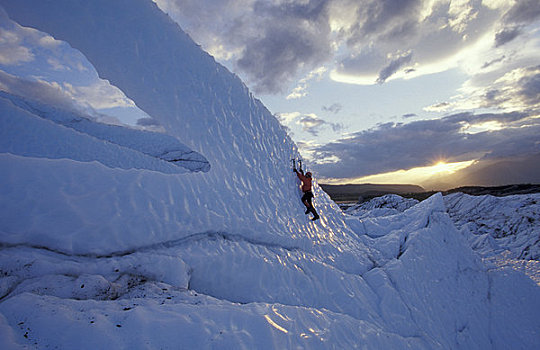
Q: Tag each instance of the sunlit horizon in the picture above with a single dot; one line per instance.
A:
(413, 176)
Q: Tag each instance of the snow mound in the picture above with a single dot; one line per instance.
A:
(493, 225)
(496, 224)
(389, 204)
(224, 291)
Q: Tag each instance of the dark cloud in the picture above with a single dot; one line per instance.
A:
(292, 38)
(523, 12)
(492, 62)
(334, 108)
(393, 67)
(530, 88)
(273, 59)
(313, 124)
(303, 10)
(147, 122)
(388, 18)
(366, 62)
(519, 91)
(409, 115)
(494, 97)
(272, 43)
(395, 146)
(506, 35)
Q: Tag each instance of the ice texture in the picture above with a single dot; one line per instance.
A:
(495, 224)
(104, 245)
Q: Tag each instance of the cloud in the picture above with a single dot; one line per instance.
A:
(514, 90)
(409, 115)
(287, 118)
(390, 33)
(99, 95)
(334, 108)
(313, 124)
(492, 62)
(150, 124)
(310, 123)
(393, 67)
(46, 92)
(96, 96)
(271, 43)
(12, 52)
(395, 146)
(523, 12)
(438, 107)
(17, 43)
(506, 35)
(530, 87)
(301, 89)
(439, 35)
(279, 55)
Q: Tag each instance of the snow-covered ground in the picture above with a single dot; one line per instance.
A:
(496, 224)
(504, 231)
(106, 243)
(389, 204)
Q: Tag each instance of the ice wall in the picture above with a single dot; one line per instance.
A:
(249, 189)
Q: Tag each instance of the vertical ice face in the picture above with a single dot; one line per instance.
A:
(250, 188)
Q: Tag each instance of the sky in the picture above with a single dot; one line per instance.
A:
(371, 91)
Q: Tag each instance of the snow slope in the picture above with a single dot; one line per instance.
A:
(105, 245)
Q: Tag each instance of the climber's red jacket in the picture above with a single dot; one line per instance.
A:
(306, 181)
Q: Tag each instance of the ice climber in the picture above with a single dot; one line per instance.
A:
(308, 195)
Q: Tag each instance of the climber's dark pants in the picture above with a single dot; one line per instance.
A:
(306, 199)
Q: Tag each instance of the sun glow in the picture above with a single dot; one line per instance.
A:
(410, 176)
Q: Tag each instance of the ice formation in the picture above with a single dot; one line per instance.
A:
(106, 246)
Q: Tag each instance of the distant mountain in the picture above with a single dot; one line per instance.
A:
(491, 173)
(345, 194)
(497, 191)
(352, 192)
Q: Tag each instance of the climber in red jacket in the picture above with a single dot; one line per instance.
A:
(308, 195)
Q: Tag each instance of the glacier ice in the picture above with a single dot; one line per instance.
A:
(96, 253)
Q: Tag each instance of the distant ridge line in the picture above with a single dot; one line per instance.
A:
(353, 192)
